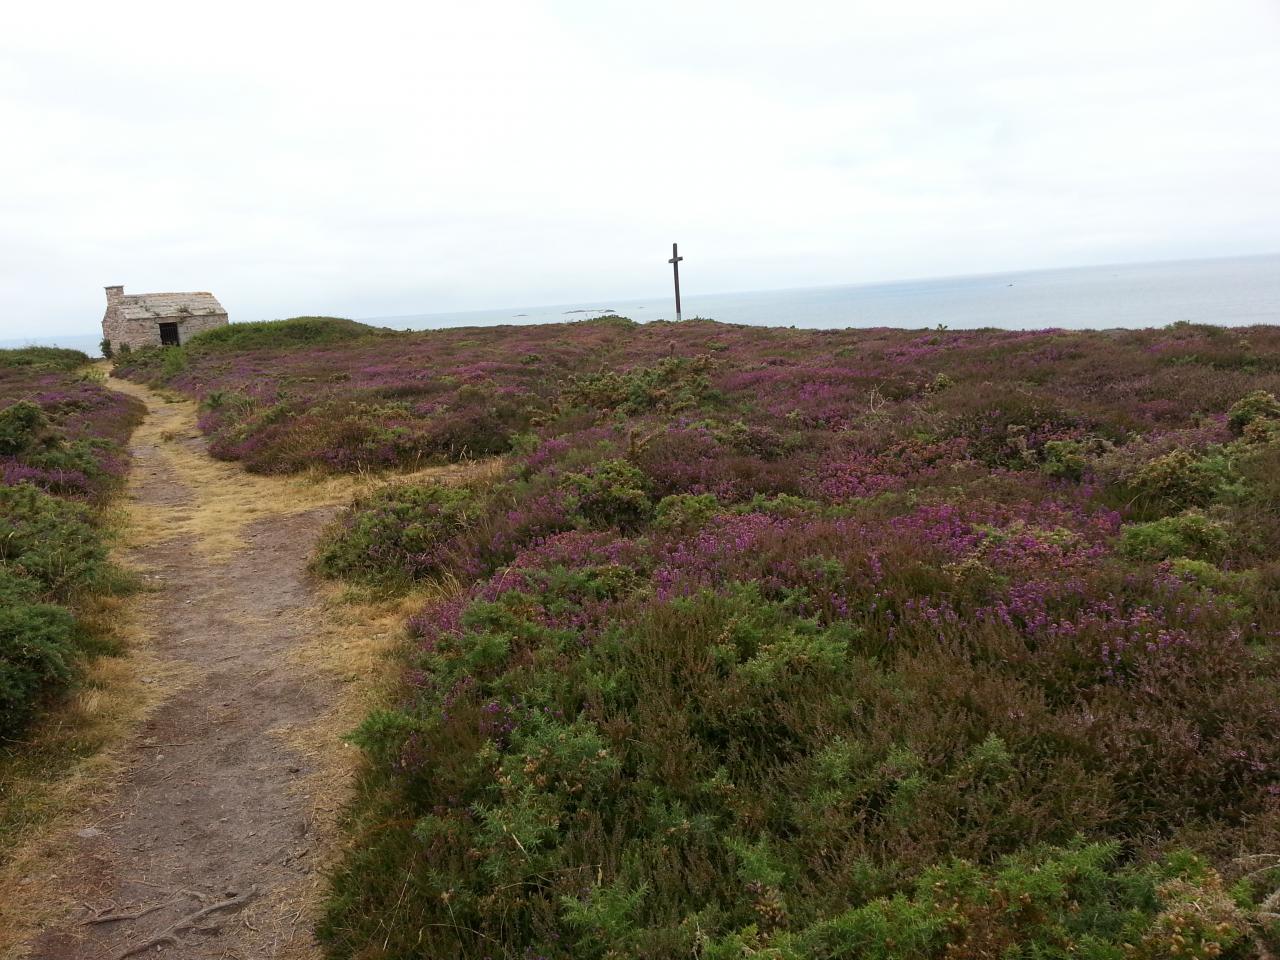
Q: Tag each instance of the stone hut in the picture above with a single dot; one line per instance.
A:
(158, 319)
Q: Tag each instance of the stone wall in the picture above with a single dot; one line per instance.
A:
(190, 326)
(118, 330)
(146, 333)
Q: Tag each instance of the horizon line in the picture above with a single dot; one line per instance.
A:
(837, 286)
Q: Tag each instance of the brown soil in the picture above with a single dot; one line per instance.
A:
(229, 785)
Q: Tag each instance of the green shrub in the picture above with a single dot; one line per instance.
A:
(23, 427)
(53, 556)
(1066, 459)
(105, 347)
(53, 542)
(685, 511)
(1181, 479)
(1260, 433)
(1048, 903)
(400, 532)
(1258, 405)
(1190, 534)
(79, 456)
(1004, 435)
(939, 383)
(1232, 585)
(15, 588)
(613, 493)
(670, 385)
(174, 362)
(37, 651)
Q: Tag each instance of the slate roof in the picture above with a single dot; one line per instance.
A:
(157, 306)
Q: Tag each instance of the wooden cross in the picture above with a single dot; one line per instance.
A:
(675, 267)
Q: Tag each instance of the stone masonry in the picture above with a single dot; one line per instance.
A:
(150, 319)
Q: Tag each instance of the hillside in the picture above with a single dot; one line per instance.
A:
(786, 643)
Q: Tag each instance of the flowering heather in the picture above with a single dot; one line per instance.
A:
(793, 643)
(77, 446)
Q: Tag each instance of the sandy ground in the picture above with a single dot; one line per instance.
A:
(211, 843)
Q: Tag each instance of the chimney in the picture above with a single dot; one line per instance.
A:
(113, 295)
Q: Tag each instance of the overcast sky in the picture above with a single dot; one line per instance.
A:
(369, 159)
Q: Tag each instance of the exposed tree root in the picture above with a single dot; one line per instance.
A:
(170, 933)
(113, 917)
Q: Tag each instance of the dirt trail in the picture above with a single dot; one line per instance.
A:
(217, 807)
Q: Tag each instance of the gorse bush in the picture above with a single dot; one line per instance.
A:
(50, 540)
(1051, 903)
(900, 644)
(1071, 459)
(399, 532)
(685, 511)
(613, 493)
(38, 648)
(670, 385)
(1180, 479)
(1258, 405)
(23, 428)
(1190, 535)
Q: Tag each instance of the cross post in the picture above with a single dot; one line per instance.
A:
(675, 269)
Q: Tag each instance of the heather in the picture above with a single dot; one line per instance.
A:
(61, 457)
(788, 643)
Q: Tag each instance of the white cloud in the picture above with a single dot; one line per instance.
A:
(396, 158)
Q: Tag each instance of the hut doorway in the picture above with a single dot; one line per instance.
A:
(168, 334)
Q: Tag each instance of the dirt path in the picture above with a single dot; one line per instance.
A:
(217, 808)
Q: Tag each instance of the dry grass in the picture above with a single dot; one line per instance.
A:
(231, 499)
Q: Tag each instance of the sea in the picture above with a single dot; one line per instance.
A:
(1236, 291)
(1231, 292)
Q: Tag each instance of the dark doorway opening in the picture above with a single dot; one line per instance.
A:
(169, 334)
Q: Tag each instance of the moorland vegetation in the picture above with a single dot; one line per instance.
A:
(786, 643)
(62, 456)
